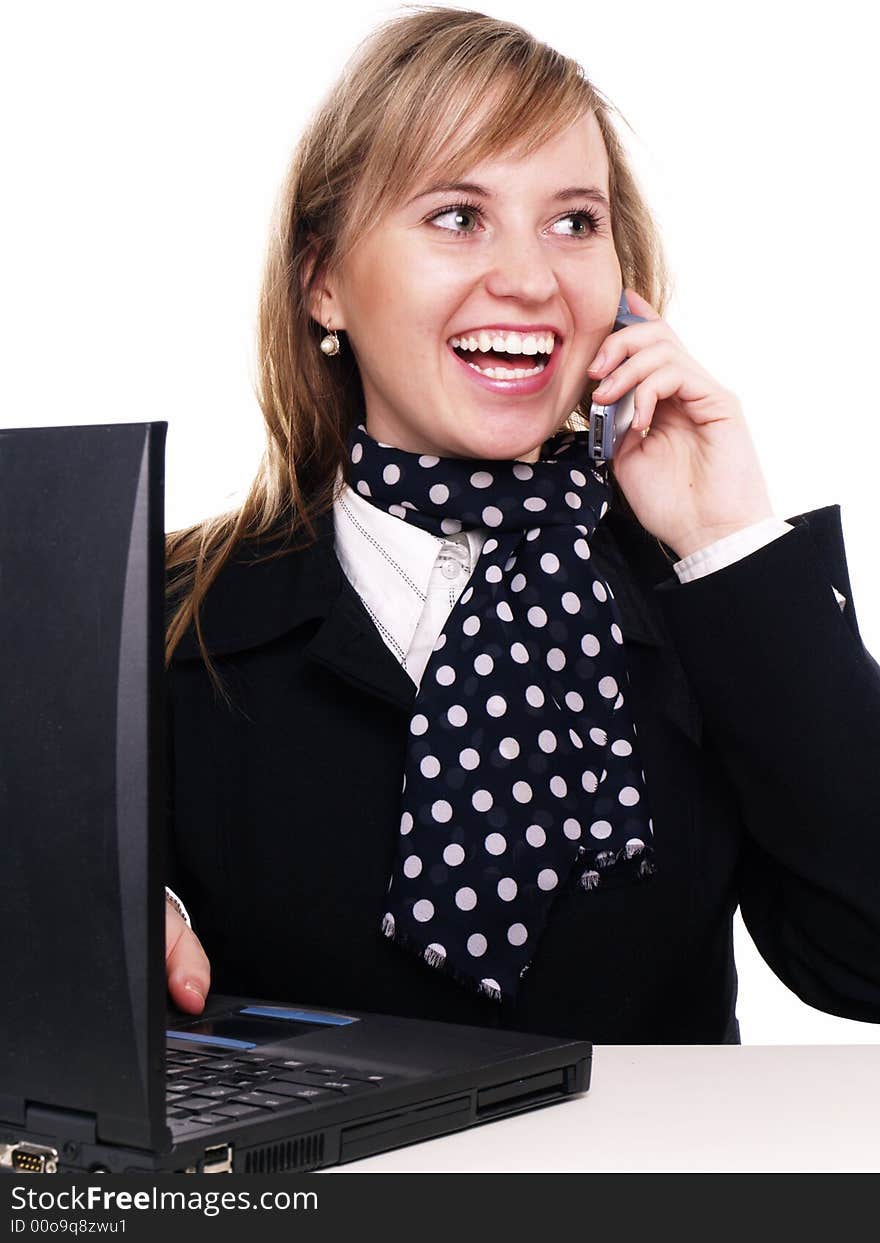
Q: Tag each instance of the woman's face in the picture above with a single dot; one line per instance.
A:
(521, 256)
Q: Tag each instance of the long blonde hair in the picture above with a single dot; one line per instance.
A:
(398, 111)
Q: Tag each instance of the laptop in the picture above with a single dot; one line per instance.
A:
(97, 1073)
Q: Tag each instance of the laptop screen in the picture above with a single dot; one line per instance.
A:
(82, 777)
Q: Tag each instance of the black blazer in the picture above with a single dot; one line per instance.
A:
(758, 717)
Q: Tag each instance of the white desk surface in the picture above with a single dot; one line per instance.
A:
(681, 1108)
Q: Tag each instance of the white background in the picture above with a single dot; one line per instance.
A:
(145, 145)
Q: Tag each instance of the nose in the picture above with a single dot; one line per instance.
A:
(518, 266)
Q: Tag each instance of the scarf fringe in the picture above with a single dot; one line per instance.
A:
(610, 869)
(604, 867)
(438, 962)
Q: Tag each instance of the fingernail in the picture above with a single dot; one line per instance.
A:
(598, 362)
(192, 987)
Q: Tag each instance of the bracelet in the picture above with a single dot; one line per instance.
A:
(178, 906)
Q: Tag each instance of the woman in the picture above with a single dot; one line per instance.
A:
(460, 726)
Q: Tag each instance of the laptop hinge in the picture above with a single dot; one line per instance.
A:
(62, 1123)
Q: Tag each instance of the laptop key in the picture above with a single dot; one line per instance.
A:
(281, 1087)
(263, 1099)
(198, 1103)
(347, 1072)
(234, 1109)
(216, 1091)
(312, 1094)
(364, 1076)
(198, 1120)
(183, 1126)
(343, 1086)
(210, 1118)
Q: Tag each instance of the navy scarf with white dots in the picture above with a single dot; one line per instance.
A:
(522, 774)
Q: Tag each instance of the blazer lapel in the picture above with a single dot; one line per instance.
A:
(631, 563)
(255, 601)
(349, 644)
(637, 623)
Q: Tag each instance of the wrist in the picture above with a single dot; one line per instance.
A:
(700, 539)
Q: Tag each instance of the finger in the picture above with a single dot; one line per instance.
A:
(625, 342)
(664, 382)
(628, 374)
(639, 305)
(696, 395)
(187, 968)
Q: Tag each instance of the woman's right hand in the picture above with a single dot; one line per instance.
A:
(186, 964)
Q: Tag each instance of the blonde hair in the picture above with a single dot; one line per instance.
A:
(399, 110)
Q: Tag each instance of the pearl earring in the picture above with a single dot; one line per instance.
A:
(330, 343)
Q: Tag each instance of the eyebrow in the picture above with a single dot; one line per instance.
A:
(470, 187)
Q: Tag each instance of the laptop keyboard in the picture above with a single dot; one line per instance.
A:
(207, 1089)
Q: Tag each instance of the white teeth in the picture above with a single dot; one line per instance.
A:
(507, 343)
(508, 373)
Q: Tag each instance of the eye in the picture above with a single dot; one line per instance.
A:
(588, 215)
(461, 209)
(585, 215)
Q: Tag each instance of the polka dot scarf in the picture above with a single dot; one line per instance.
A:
(522, 774)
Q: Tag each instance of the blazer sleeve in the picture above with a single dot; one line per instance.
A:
(791, 702)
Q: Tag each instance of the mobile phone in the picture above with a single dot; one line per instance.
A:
(609, 424)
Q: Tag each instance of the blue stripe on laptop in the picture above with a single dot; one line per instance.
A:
(303, 1016)
(223, 1041)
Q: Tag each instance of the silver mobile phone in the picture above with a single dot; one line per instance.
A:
(609, 424)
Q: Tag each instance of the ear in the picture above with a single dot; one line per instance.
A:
(324, 304)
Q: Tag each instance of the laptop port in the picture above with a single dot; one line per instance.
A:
(27, 1158)
(218, 1159)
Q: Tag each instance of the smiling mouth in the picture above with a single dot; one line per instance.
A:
(507, 364)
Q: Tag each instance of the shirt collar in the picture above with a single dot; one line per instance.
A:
(389, 561)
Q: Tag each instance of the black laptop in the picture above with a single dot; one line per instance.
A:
(96, 1073)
